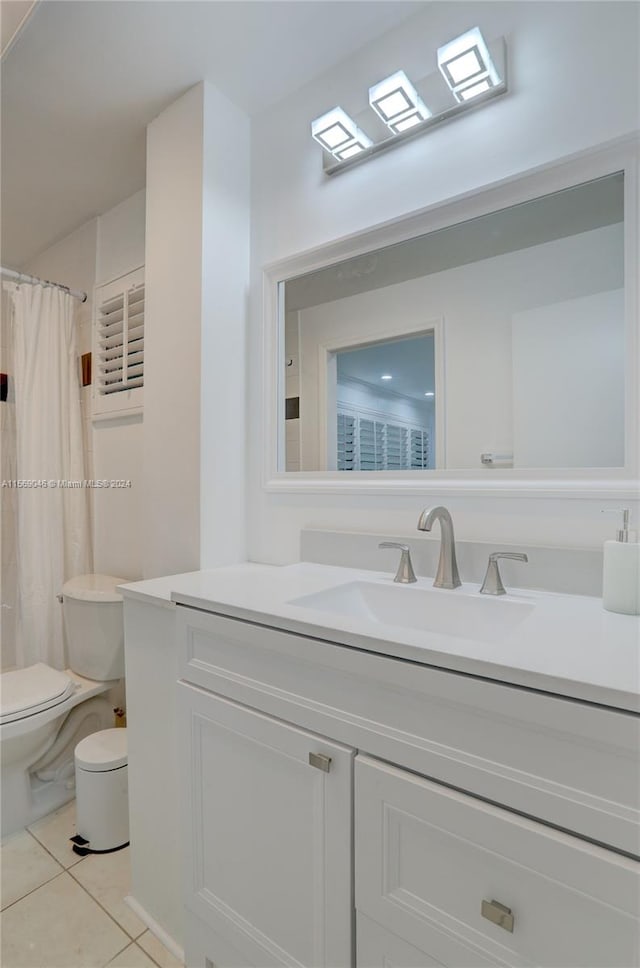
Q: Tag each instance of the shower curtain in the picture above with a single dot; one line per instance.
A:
(53, 519)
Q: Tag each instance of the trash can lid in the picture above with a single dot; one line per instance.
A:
(94, 588)
(106, 750)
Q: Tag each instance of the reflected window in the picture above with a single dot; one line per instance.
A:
(385, 406)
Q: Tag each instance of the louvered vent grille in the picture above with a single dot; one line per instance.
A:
(120, 342)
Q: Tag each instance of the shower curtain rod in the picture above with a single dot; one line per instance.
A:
(24, 277)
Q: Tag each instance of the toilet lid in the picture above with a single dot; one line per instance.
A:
(26, 692)
(106, 750)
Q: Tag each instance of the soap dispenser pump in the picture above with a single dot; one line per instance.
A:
(621, 570)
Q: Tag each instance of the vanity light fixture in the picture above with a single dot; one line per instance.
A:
(397, 102)
(474, 73)
(467, 67)
(339, 134)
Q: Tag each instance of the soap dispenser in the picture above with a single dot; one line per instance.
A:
(621, 571)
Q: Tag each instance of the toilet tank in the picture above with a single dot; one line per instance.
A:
(93, 619)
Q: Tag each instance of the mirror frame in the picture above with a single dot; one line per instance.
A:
(616, 483)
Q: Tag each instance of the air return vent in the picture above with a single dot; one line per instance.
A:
(119, 345)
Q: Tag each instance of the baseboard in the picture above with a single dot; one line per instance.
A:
(155, 928)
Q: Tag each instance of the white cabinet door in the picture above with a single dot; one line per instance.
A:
(269, 846)
(471, 884)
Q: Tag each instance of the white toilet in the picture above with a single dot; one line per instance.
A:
(44, 713)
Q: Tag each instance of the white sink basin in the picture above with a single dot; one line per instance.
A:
(445, 612)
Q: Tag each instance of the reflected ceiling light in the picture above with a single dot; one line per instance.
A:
(466, 65)
(386, 376)
(397, 102)
(339, 134)
(430, 393)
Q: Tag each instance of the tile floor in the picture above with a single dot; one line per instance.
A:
(64, 911)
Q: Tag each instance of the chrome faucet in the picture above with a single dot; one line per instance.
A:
(447, 574)
(492, 584)
(405, 574)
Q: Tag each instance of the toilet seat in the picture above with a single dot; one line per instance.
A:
(26, 692)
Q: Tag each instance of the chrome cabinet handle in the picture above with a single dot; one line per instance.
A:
(492, 584)
(498, 914)
(320, 761)
(405, 574)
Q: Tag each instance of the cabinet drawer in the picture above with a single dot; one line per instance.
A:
(568, 763)
(377, 947)
(427, 857)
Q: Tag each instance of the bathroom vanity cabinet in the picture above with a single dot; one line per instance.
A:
(349, 808)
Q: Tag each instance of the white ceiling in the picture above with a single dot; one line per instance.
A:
(84, 77)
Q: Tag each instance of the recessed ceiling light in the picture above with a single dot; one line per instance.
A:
(338, 134)
(395, 99)
(386, 376)
(430, 393)
(466, 65)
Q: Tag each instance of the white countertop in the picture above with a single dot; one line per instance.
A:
(567, 645)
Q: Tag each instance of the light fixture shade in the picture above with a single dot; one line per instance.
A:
(339, 134)
(466, 65)
(397, 102)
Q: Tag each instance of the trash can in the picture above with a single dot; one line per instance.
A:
(102, 802)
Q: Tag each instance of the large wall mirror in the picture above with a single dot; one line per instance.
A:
(498, 343)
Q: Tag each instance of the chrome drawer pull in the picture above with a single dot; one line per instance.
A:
(320, 761)
(498, 914)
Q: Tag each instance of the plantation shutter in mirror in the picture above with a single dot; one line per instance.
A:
(371, 445)
(346, 442)
(419, 449)
(367, 444)
(396, 450)
(119, 345)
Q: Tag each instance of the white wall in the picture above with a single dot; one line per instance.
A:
(117, 512)
(197, 262)
(555, 107)
(225, 284)
(117, 443)
(563, 412)
(173, 278)
(121, 238)
(292, 389)
(70, 261)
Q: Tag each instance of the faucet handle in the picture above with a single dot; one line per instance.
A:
(405, 574)
(492, 584)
